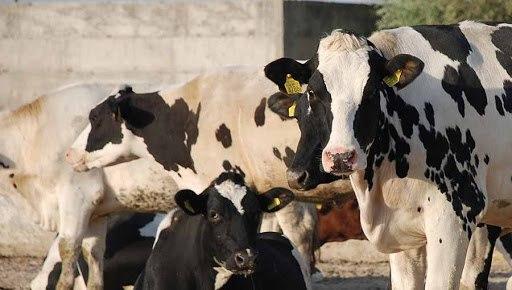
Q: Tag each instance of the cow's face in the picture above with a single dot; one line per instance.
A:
(233, 212)
(339, 110)
(109, 135)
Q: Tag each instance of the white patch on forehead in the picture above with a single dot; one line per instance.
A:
(233, 192)
(339, 41)
(344, 65)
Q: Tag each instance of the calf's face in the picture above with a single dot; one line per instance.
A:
(233, 212)
(107, 139)
(339, 111)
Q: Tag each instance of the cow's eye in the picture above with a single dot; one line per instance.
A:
(214, 216)
(311, 95)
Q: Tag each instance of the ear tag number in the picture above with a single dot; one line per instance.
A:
(189, 207)
(291, 85)
(275, 203)
(393, 79)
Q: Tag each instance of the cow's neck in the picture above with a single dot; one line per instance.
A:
(17, 134)
(174, 126)
(392, 145)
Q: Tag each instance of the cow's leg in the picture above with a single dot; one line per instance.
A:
(78, 196)
(49, 274)
(93, 249)
(504, 246)
(479, 257)
(298, 222)
(447, 244)
(408, 269)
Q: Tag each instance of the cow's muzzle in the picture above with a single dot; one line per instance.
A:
(76, 158)
(299, 179)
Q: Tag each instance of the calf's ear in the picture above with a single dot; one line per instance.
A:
(190, 202)
(278, 70)
(402, 69)
(284, 105)
(275, 199)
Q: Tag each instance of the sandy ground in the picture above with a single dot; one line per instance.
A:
(16, 273)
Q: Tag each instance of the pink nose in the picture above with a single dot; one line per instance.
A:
(338, 160)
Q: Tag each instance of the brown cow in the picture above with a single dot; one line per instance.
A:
(338, 220)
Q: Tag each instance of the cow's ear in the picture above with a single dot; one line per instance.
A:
(402, 69)
(284, 105)
(190, 202)
(275, 199)
(278, 71)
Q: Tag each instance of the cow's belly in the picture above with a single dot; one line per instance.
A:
(140, 185)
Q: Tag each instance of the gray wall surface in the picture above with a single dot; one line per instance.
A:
(305, 22)
(44, 45)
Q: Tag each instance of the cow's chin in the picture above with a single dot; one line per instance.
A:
(245, 272)
(342, 174)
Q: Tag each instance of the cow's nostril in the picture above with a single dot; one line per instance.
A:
(303, 178)
(298, 179)
(239, 259)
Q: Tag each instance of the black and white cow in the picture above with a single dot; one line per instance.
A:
(217, 244)
(216, 122)
(422, 108)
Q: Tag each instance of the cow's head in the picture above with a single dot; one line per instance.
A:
(338, 113)
(109, 136)
(232, 212)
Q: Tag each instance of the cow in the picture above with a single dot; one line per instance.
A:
(35, 139)
(218, 245)
(184, 130)
(338, 220)
(413, 109)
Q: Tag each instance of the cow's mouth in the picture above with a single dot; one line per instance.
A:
(342, 174)
(245, 272)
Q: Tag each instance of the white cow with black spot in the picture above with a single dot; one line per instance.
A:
(426, 109)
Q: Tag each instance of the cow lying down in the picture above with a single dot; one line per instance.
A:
(214, 244)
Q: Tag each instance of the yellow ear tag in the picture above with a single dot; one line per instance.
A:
(275, 203)
(393, 79)
(189, 207)
(291, 110)
(318, 206)
(291, 85)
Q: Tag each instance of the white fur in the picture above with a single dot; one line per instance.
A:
(233, 192)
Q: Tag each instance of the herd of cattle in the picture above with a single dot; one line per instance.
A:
(417, 118)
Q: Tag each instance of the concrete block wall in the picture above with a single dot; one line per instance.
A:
(44, 45)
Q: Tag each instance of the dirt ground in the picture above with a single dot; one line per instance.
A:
(16, 273)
